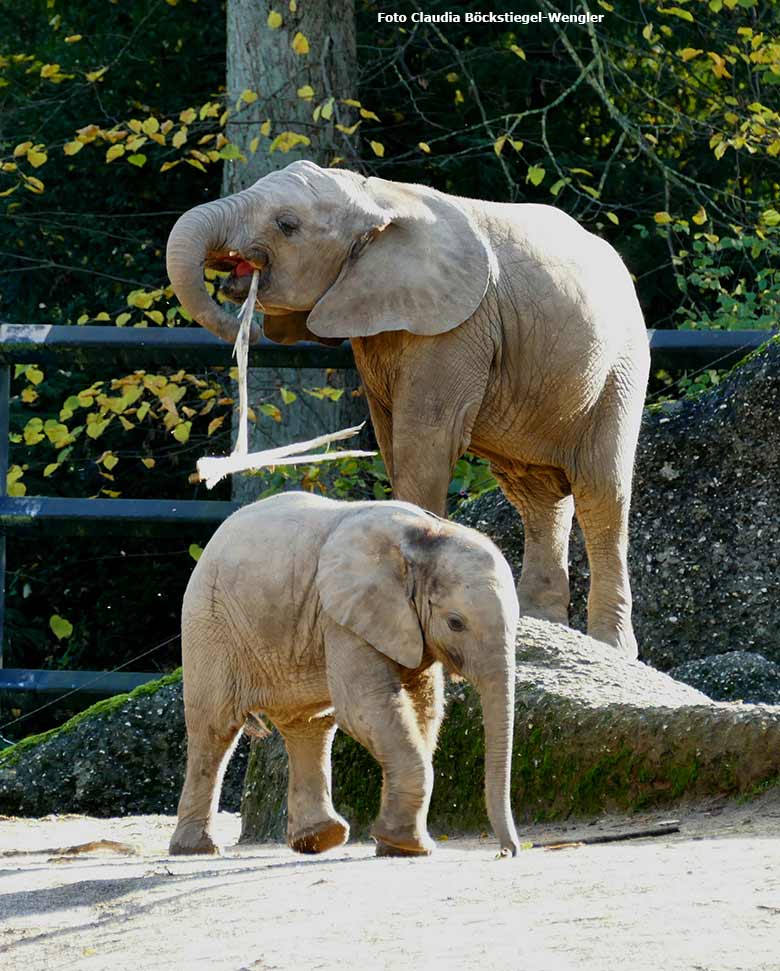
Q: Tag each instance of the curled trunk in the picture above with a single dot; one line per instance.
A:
(197, 233)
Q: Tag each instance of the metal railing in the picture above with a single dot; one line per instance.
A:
(110, 347)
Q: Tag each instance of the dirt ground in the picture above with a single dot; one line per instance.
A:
(704, 899)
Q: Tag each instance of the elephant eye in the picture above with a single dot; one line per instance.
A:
(287, 225)
(455, 623)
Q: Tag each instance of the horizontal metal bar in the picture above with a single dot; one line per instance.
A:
(685, 349)
(132, 347)
(116, 517)
(70, 347)
(96, 683)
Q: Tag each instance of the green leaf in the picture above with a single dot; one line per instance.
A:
(61, 628)
(288, 396)
(195, 551)
(139, 159)
(535, 175)
(182, 432)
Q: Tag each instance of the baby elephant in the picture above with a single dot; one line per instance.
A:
(321, 614)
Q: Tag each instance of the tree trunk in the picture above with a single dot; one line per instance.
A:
(262, 59)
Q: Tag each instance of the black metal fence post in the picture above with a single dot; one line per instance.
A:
(5, 404)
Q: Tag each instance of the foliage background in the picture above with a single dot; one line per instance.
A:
(656, 127)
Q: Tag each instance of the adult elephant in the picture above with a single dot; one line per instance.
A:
(506, 329)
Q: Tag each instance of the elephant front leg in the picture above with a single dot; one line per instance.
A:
(374, 708)
(543, 588)
(313, 825)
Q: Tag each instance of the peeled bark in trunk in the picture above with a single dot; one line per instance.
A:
(263, 60)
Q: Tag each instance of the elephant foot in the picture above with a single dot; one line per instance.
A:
(321, 837)
(386, 849)
(191, 843)
(399, 843)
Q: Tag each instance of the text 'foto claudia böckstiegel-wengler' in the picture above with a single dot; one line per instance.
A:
(488, 17)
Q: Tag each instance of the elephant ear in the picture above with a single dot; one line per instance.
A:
(291, 328)
(366, 585)
(422, 265)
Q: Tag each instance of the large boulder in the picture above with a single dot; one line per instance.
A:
(734, 676)
(593, 732)
(704, 534)
(120, 757)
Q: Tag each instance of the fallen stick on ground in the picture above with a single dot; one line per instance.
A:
(636, 834)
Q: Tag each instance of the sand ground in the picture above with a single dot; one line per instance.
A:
(704, 899)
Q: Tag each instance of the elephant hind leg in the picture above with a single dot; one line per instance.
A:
(313, 825)
(210, 743)
(547, 512)
(603, 517)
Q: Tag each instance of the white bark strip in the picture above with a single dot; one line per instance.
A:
(212, 469)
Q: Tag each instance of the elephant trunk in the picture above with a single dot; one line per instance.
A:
(497, 694)
(197, 233)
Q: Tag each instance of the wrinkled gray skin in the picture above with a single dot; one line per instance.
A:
(505, 329)
(318, 613)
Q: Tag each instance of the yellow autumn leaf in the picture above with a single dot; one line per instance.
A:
(115, 151)
(182, 431)
(169, 165)
(253, 144)
(73, 38)
(148, 462)
(700, 217)
(248, 96)
(306, 92)
(300, 44)
(688, 53)
(214, 424)
(613, 218)
(96, 75)
(22, 149)
(365, 113)
(150, 126)
(518, 50)
(498, 144)
(36, 158)
(326, 109)
(49, 70)
(188, 116)
(349, 129)
(122, 319)
(274, 20)
(33, 184)
(719, 68)
(287, 140)
(378, 148)
(662, 218)
(8, 192)
(109, 460)
(179, 138)
(265, 128)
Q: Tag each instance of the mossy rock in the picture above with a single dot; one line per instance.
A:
(121, 756)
